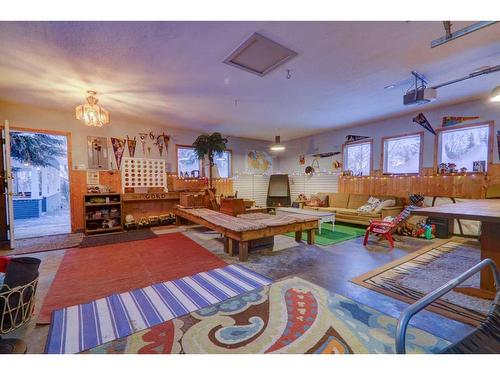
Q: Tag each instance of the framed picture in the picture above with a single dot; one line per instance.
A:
(479, 166)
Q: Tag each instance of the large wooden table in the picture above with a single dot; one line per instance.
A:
(242, 237)
(487, 211)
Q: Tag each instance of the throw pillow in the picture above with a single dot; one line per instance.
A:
(369, 206)
(316, 201)
(385, 203)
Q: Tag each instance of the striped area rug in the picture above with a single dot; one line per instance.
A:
(81, 327)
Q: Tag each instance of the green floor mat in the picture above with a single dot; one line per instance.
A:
(342, 232)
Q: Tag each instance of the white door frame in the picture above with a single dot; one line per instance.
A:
(9, 178)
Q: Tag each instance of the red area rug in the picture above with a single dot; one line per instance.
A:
(96, 272)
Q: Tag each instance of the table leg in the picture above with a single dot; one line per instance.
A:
(320, 221)
(311, 233)
(230, 246)
(243, 247)
(298, 236)
(226, 245)
(178, 220)
(490, 238)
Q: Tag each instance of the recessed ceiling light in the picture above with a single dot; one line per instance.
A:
(388, 87)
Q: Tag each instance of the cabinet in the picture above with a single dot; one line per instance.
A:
(102, 213)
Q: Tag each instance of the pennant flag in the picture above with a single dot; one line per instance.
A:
(131, 143)
(166, 139)
(118, 149)
(453, 120)
(159, 144)
(353, 138)
(143, 137)
(327, 154)
(421, 120)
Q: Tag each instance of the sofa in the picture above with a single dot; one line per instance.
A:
(345, 206)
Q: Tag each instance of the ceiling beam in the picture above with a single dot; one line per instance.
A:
(459, 33)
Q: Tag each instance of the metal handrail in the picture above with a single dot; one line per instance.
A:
(422, 303)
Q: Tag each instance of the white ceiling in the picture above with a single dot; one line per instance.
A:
(172, 72)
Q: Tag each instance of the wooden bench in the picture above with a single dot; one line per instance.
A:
(245, 229)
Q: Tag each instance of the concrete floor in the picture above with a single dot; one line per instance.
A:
(328, 266)
(55, 222)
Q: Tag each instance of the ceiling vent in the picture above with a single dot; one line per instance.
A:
(259, 55)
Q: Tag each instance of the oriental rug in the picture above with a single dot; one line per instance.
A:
(289, 316)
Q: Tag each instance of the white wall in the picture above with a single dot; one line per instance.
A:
(288, 162)
(25, 116)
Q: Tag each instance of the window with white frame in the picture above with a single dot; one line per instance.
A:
(188, 164)
(357, 158)
(401, 154)
(223, 164)
(466, 147)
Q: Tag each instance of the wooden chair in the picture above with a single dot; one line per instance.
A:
(385, 229)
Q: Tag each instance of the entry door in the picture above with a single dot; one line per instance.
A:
(6, 201)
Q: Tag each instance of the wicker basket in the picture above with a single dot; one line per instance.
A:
(14, 315)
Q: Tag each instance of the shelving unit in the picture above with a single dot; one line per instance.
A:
(99, 208)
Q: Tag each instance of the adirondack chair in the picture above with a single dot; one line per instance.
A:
(385, 229)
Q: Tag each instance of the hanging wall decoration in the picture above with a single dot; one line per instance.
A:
(422, 121)
(151, 136)
(259, 162)
(159, 144)
(302, 159)
(453, 120)
(118, 149)
(149, 151)
(143, 137)
(354, 138)
(131, 143)
(327, 154)
(143, 173)
(166, 139)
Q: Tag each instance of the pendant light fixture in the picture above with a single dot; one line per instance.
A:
(495, 94)
(277, 145)
(91, 113)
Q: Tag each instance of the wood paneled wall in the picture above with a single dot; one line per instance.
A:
(78, 187)
(458, 186)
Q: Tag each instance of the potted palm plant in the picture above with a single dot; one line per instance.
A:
(210, 146)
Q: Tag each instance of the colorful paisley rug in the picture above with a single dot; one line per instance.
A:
(289, 316)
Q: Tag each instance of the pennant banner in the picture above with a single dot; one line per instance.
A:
(118, 149)
(131, 143)
(143, 137)
(453, 120)
(421, 120)
(327, 154)
(353, 138)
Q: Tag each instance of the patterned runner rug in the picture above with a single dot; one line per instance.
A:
(81, 327)
(290, 316)
(412, 277)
